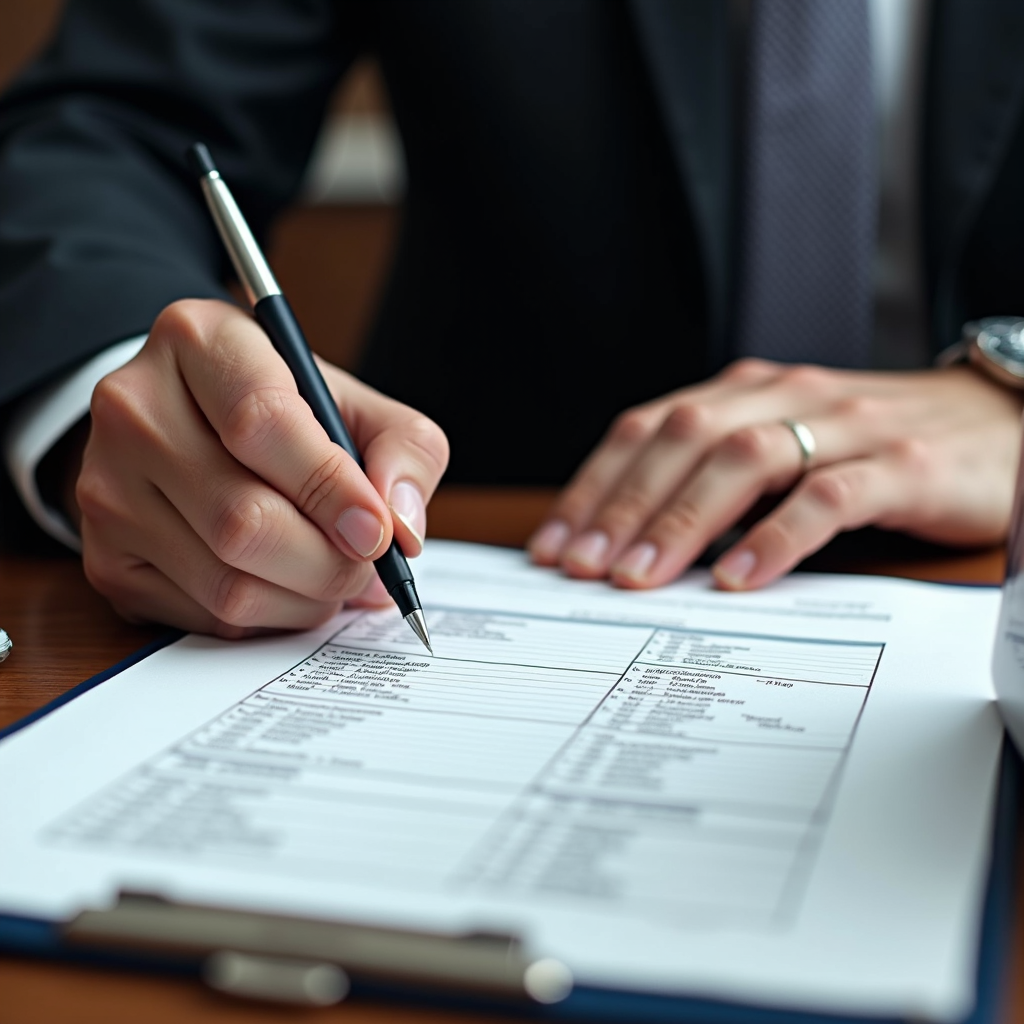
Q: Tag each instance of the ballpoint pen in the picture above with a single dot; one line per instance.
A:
(275, 316)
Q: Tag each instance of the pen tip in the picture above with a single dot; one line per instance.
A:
(418, 624)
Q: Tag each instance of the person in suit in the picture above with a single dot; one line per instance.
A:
(574, 253)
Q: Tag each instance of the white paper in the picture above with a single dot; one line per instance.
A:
(781, 798)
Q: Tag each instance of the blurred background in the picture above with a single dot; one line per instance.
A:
(331, 251)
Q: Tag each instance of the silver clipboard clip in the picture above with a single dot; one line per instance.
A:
(310, 962)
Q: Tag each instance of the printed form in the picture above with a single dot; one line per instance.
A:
(782, 797)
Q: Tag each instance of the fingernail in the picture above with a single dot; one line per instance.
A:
(637, 561)
(588, 550)
(362, 529)
(408, 505)
(734, 568)
(547, 543)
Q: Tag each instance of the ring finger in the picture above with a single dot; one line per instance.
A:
(840, 497)
(688, 437)
(630, 457)
(761, 459)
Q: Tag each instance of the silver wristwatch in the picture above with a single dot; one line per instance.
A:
(995, 345)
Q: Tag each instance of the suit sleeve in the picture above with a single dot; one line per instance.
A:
(101, 225)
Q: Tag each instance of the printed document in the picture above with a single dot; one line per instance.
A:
(783, 797)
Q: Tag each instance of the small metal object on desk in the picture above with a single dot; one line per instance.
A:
(5, 644)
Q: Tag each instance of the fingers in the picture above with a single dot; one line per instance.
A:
(248, 396)
(827, 501)
(729, 461)
(181, 580)
(645, 454)
(213, 500)
(139, 593)
(240, 520)
(404, 452)
(763, 459)
(148, 596)
(748, 463)
(628, 436)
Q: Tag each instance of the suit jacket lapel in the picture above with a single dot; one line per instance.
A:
(974, 98)
(688, 50)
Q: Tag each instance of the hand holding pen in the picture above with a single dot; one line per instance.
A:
(212, 500)
(275, 316)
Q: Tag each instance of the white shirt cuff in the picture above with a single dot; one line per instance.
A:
(43, 419)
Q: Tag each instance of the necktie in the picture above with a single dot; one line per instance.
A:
(810, 184)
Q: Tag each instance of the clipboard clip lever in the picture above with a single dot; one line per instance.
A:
(312, 962)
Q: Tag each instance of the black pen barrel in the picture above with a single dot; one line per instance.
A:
(394, 573)
(276, 318)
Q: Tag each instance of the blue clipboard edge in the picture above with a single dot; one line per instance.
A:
(40, 939)
(101, 677)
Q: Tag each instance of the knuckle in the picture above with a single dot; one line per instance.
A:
(430, 441)
(914, 455)
(630, 507)
(180, 323)
(681, 519)
(321, 484)
(95, 495)
(578, 501)
(687, 422)
(751, 444)
(101, 572)
(630, 428)
(112, 399)
(246, 528)
(748, 370)
(834, 490)
(124, 413)
(235, 597)
(256, 416)
(112, 579)
(867, 408)
(808, 379)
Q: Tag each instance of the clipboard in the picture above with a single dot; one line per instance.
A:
(309, 963)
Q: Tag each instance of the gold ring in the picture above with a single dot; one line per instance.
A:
(804, 438)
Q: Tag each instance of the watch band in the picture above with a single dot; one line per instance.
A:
(994, 345)
(952, 354)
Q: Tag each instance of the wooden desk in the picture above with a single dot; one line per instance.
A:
(63, 633)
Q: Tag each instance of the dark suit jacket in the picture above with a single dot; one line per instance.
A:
(568, 238)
